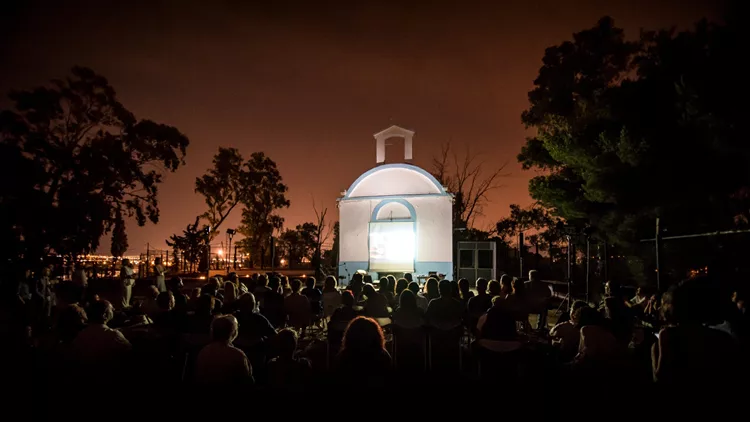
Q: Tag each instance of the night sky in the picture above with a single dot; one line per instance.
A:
(309, 83)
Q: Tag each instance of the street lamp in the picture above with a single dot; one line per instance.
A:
(230, 234)
(207, 234)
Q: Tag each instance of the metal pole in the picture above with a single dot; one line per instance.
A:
(606, 262)
(235, 257)
(273, 256)
(148, 258)
(569, 255)
(208, 259)
(658, 258)
(690, 236)
(588, 265)
(520, 255)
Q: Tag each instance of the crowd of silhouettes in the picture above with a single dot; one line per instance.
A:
(267, 332)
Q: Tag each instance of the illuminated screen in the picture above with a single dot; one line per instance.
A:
(392, 246)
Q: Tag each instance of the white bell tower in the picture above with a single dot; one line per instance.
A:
(393, 132)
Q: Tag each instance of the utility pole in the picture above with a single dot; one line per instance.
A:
(148, 259)
(520, 255)
(570, 263)
(588, 265)
(658, 258)
(273, 256)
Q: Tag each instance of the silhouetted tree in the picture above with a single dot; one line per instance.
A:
(331, 256)
(266, 193)
(539, 227)
(298, 244)
(627, 131)
(87, 164)
(470, 180)
(320, 236)
(223, 187)
(631, 131)
(119, 240)
(192, 242)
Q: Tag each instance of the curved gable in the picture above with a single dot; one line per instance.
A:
(393, 180)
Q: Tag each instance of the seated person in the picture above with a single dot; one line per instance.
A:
(297, 307)
(331, 296)
(220, 363)
(568, 334)
(314, 295)
(445, 312)
(408, 314)
(344, 314)
(376, 305)
(286, 371)
(498, 333)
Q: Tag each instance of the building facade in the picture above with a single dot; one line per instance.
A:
(396, 218)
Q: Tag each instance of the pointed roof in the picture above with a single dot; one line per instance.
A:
(394, 131)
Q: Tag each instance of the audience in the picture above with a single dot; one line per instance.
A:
(688, 354)
(568, 334)
(297, 307)
(695, 337)
(287, 372)
(376, 305)
(408, 314)
(538, 295)
(220, 364)
(445, 312)
(422, 301)
(363, 360)
(346, 312)
(384, 289)
(331, 296)
(99, 349)
(314, 295)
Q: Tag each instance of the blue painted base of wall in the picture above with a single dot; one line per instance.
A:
(349, 268)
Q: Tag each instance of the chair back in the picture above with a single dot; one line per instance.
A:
(444, 348)
(409, 348)
(334, 339)
(498, 362)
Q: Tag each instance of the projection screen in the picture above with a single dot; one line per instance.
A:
(392, 246)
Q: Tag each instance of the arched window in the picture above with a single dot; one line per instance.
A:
(392, 237)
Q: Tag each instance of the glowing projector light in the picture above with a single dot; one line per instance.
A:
(392, 247)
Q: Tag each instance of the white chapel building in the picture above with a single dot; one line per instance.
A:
(396, 218)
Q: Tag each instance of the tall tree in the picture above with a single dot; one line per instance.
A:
(331, 256)
(535, 222)
(266, 194)
(631, 131)
(321, 234)
(299, 244)
(470, 180)
(119, 240)
(223, 187)
(88, 165)
(192, 243)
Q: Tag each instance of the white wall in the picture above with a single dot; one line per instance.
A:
(354, 219)
(434, 228)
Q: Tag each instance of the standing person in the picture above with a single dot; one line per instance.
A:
(43, 294)
(160, 275)
(127, 278)
(538, 296)
(80, 277)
